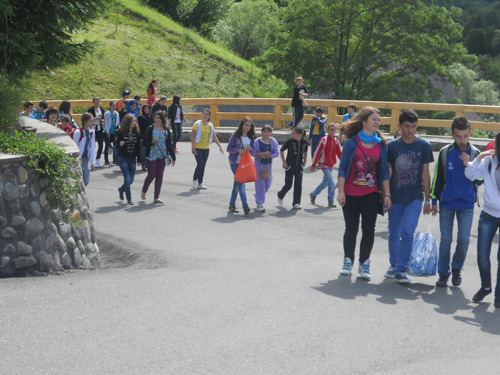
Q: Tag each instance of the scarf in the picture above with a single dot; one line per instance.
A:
(375, 139)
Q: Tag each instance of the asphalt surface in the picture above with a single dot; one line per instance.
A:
(189, 288)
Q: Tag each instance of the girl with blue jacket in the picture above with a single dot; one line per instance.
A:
(363, 173)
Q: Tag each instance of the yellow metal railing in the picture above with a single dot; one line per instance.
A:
(280, 117)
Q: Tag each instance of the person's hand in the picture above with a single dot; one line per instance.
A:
(155, 140)
(465, 158)
(265, 155)
(108, 135)
(92, 168)
(173, 163)
(434, 209)
(313, 168)
(221, 150)
(427, 208)
(248, 148)
(484, 154)
(341, 199)
(285, 165)
(241, 151)
(122, 143)
(193, 150)
(387, 203)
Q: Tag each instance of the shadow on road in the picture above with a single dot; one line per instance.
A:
(448, 301)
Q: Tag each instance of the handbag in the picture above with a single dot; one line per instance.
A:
(265, 174)
(246, 171)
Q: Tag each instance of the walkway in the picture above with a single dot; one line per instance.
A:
(209, 292)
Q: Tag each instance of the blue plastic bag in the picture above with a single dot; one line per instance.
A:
(423, 259)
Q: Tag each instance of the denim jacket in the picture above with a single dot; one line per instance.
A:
(347, 157)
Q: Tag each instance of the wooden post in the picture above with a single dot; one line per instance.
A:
(394, 120)
(214, 118)
(332, 112)
(277, 124)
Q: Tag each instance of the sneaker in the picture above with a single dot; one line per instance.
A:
(233, 209)
(313, 198)
(158, 201)
(120, 193)
(364, 270)
(201, 187)
(176, 151)
(195, 184)
(130, 203)
(347, 267)
(280, 201)
(260, 208)
(246, 210)
(331, 204)
(390, 273)
(442, 282)
(297, 206)
(456, 278)
(481, 293)
(143, 195)
(106, 163)
(402, 278)
(98, 164)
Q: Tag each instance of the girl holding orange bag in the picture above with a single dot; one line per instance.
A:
(241, 141)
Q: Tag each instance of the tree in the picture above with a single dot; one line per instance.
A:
(246, 28)
(370, 49)
(39, 34)
(471, 89)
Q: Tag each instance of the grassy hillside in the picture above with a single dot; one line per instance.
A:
(135, 44)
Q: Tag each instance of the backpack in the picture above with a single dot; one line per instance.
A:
(81, 134)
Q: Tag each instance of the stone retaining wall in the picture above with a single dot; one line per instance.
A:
(34, 236)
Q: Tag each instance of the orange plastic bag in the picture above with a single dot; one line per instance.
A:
(246, 171)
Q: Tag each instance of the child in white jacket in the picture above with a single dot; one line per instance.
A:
(84, 137)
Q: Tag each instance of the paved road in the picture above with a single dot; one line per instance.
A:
(189, 288)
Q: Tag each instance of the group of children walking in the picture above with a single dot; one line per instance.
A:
(375, 176)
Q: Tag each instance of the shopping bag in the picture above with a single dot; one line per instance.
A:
(246, 171)
(423, 259)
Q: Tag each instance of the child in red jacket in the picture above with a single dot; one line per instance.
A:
(325, 158)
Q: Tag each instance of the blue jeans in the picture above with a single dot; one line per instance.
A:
(315, 138)
(446, 218)
(177, 129)
(85, 171)
(327, 181)
(127, 165)
(403, 220)
(143, 155)
(237, 188)
(488, 226)
(201, 157)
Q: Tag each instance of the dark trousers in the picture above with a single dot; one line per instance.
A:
(99, 138)
(177, 129)
(156, 168)
(109, 141)
(365, 206)
(298, 114)
(201, 161)
(291, 172)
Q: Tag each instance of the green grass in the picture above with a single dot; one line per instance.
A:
(136, 44)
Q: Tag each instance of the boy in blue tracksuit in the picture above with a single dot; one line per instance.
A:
(456, 195)
(317, 129)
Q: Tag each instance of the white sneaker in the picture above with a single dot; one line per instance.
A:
(346, 267)
(364, 270)
(195, 184)
(201, 186)
(297, 206)
(260, 208)
(143, 195)
(98, 164)
(280, 201)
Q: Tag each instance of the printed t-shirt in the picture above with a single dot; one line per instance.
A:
(177, 116)
(245, 142)
(407, 160)
(204, 142)
(362, 179)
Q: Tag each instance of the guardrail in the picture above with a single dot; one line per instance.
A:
(279, 116)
